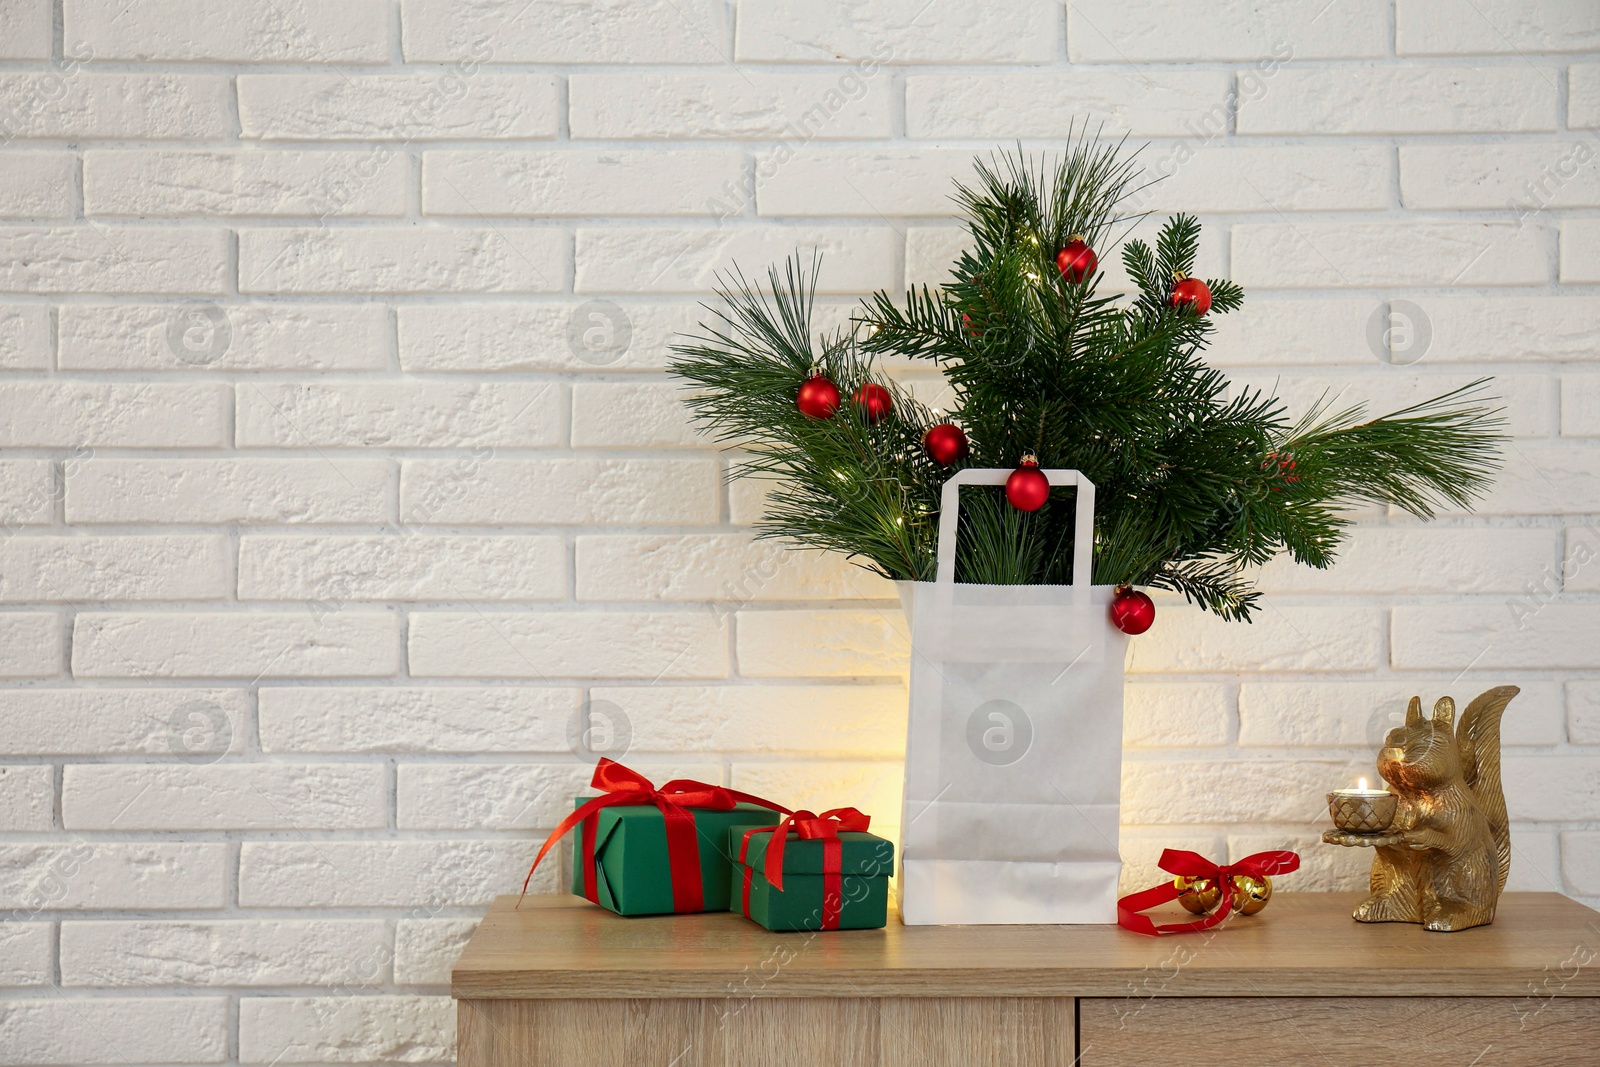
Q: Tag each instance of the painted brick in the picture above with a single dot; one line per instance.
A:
(597, 335)
(1583, 96)
(686, 31)
(1552, 788)
(874, 787)
(38, 185)
(24, 337)
(423, 260)
(1516, 27)
(97, 722)
(113, 259)
(1260, 790)
(1580, 405)
(436, 414)
(661, 260)
(1294, 332)
(1526, 400)
(262, 796)
(1583, 712)
(1580, 258)
(1483, 329)
(253, 31)
(27, 798)
(1580, 861)
(1403, 100)
(1283, 638)
(833, 720)
(116, 1030)
(30, 645)
(189, 336)
(1524, 178)
(564, 644)
(103, 415)
(76, 105)
(114, 568)
(1527, 632)
(383, 874)
(609, 183)
(632, 415)
(559, 491)
(230, 490)
(297, 644)
(452, 104)
(1176, 716)
(1578, 573)
(485, 796)
(881, 183)
(1322, 869)
(823, 644)
(403, 719)
(722, 567)
(337, 569)
(426, 949)
(147, 875)
(899, 31)
(990, 106)
(277, 952)
(1214, 178)
(27, 491)
(1357, 714)
(1306, 255)
(1545, 480)
(25, 30)
(26, 951)
(242, 183)
(796, 108)
(1104, 31)
(364, 1029)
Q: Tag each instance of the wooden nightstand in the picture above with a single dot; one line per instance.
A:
(563, 982)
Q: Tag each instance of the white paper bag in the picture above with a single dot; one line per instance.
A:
(1014, 743)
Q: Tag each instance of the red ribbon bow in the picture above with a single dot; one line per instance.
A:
(628, 787)
(809, 827)
(1194, 865)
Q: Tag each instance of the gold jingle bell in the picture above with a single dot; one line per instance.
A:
(1201, 895)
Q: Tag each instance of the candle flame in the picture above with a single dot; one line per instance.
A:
(1361, 784)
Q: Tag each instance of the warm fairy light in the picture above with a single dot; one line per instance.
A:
(1032, 277)
(842, 476)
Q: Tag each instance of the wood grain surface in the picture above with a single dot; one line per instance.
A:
(1303, 945)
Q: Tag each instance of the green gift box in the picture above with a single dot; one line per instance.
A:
(633, 866)
(855, 897)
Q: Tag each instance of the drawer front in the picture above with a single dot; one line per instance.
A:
(1339, 1031)
(769, 1032)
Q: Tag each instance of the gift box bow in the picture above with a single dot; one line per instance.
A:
(1193, 865)
(808, 827)
(676, 800)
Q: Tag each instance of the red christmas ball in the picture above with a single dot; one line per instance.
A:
(818, 398)
(1131, 611)
(1028, 488)
(1192, 292)
(945, 443)
(874, 402)
(1077, 260)
(972, 328)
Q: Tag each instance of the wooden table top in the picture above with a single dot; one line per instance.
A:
(1303, 944)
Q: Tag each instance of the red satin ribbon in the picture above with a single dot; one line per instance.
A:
(623, 786)
(809, 827)
(1194, 865)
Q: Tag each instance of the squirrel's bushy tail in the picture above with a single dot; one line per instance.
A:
(1478, 736)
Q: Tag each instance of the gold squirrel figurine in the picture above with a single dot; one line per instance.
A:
(1443, 860)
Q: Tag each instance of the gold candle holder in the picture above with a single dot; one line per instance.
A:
(1362, 810)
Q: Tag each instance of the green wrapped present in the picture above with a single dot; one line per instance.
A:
(813, 872)
(647, 851)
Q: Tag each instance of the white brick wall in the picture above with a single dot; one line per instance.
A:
(346, 509)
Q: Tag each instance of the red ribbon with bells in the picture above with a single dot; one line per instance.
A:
(808, 827)
(1193, 865)
(676, 799)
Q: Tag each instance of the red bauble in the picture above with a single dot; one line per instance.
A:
(1193, 293)
(1077, 260)
(818, 398)
(966, 320)
(1028, 488)
(874, 402)
(1131, 611)
(945, 443)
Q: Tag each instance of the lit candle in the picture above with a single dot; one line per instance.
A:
(1362, 810)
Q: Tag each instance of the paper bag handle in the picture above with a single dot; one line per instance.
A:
(950, 504)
